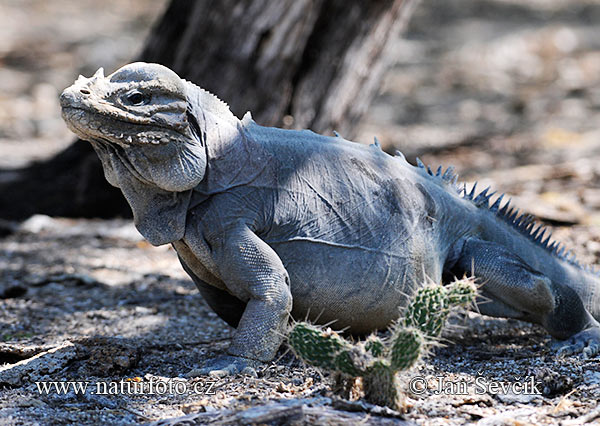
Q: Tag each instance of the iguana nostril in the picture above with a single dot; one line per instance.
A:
(84, 91)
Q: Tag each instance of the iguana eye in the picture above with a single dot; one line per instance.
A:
(137, 98)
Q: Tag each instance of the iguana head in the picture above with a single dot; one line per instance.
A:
(139, 120)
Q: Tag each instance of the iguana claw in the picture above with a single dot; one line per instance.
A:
(586, 343)
(226, 365)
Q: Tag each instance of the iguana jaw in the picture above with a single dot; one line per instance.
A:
(136, 104)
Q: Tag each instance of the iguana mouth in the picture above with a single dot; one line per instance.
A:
(93, 124)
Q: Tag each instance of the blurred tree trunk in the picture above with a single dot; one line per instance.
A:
(313, 64)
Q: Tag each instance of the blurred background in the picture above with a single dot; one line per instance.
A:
(489, 86)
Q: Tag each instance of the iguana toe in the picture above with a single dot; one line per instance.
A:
(226, 365)
(591, 350)
(586, 343)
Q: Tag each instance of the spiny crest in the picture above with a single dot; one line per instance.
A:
(210, 102)
(522, 222)
(376, 144)
(448, 177)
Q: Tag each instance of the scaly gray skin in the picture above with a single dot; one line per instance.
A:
(270, 222)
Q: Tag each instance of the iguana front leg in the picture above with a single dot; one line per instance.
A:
(518, 291)
(253, 273)
(226, 306)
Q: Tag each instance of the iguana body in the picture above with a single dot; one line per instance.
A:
(269, 221)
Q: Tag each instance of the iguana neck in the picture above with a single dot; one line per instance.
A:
(159, 215)
(234, 158)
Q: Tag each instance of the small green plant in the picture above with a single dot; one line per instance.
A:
(378, 360)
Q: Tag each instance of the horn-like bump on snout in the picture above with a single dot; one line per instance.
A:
(99, 73)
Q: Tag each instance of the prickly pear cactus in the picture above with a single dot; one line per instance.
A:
(376, 360)
(431, 305)
(406, 346)
(322, 348)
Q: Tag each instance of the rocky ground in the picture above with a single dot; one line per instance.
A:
(507, 91)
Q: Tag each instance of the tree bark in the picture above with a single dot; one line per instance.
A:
(313, 64)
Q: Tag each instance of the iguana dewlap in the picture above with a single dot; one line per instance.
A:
(269, 222)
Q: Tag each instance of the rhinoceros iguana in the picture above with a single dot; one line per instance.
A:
(269, 222)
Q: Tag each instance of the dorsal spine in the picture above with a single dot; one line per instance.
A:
(522, 222)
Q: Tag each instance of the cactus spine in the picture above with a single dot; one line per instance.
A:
(378, 360)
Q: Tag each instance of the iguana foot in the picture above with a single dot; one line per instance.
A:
(227, 365)
(586, 342)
